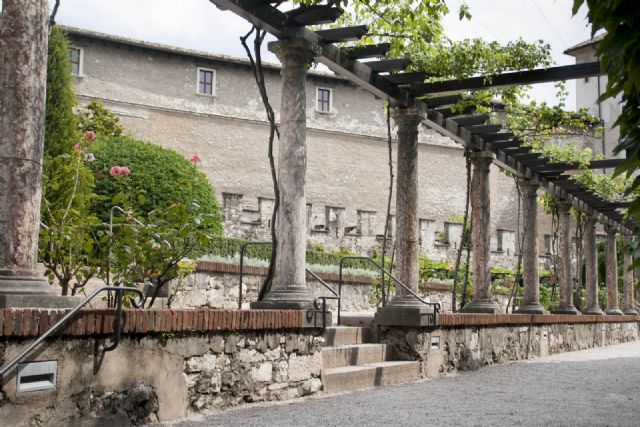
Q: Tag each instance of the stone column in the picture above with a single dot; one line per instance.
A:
(480, 236)
(405, 309)
(288, 289)
(23, 66)
(407, 236)
(629, 300)
(591, 267)
(565, 276)
(530, 275)
(612, 271)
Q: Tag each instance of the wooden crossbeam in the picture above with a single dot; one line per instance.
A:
(314, 15)
(346, 34)
(388, 65)
(483, 129)
(370, 51)
(500, 145)
(594, 164)
(516, 150)
(442, 100)
(469, 120)
(408, 78)
(525, 157)
(565, 72)
(502, 136)
(450, 111)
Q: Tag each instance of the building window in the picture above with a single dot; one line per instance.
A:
(75, 58)
(206, 81)
(323, 97)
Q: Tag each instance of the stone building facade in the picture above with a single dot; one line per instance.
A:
(157, 92)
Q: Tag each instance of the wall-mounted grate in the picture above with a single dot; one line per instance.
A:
(35, 376)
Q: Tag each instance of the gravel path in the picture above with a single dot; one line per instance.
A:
(591, 387)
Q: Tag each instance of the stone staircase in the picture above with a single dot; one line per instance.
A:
(353, 360)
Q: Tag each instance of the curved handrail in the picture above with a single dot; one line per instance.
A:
(119, 291)
(436, 305)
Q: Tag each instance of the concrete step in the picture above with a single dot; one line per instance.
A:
(354, 354)
(350, 378)
(341, 335)
(356, 319)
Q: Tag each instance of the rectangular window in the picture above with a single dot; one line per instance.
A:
(74, 59)
(205, 81)
(324, 100)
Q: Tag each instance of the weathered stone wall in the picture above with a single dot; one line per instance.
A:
(468, 347)
(216, 285)
(164, 375)
(153, 89)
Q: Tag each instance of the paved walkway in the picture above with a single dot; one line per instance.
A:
(592, 387)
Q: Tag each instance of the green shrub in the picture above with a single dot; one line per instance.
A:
(94, 117)
(157, 179)
(61, 126)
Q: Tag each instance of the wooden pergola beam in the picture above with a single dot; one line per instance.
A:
(517, 78)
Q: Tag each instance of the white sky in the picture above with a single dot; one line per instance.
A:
(198, 24)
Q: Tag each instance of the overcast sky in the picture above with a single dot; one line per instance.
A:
(198, 24)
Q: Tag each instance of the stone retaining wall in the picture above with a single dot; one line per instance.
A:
(216, 285)
(463, 342)
(168, 364)
(172, 363)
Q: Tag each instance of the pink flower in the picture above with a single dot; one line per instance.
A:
(89, 135)
(77, 147)
(195, 159)
(119, 171)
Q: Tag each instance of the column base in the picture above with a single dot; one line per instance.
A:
(593, 311)
(614, 312)
(481, 306)
(24, 285)
(630, 311)
(532, 308)
(405, 301)
(404, 316)
(566, 309)
(292, 299)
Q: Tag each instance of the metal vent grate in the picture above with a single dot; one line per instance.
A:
(35, 376)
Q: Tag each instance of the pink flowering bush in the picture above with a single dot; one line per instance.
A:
(195, 159)
(119, 171)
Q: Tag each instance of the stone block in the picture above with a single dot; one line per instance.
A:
(263, 373)
(404, 316)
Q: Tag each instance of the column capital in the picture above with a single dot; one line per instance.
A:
(528, 183)
(296, 52)
(407, 116)
(563, 207)
(482, 159)
(610, 229)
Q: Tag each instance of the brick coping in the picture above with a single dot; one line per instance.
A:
(464, 319)
(90, 322)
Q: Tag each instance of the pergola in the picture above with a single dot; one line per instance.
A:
(418, 102)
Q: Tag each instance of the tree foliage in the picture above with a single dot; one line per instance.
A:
(61, 125)
(619, 53)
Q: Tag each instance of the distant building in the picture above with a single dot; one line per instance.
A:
(197, 102)
(589, 89)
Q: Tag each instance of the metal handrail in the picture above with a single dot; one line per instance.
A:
(119, 292)
(436, 306)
